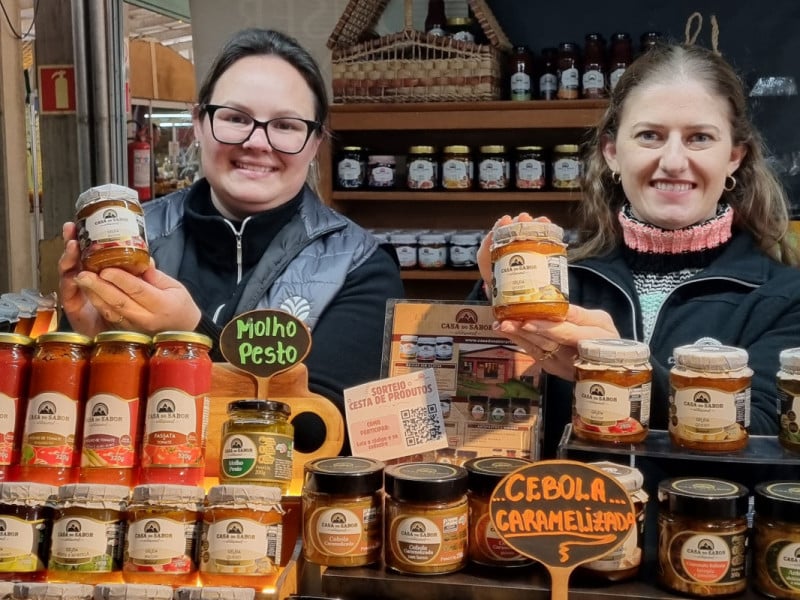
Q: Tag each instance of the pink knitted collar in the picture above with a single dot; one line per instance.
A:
(646, 238)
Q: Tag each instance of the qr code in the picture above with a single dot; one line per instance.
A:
(420, 424)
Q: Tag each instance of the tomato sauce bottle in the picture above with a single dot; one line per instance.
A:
(15, 365)
(54, 415)
(176, 417)
(112, 421)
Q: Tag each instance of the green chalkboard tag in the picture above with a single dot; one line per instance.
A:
(265, 342)
(561, 513)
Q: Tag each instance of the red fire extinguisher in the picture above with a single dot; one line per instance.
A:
(139, 170)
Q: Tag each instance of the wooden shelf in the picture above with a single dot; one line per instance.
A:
(441, 274)
(453, 196)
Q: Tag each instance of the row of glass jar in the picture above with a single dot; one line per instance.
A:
(526, 168)
(159, 534)
(28, 312)
(118, 591)
(427, 249)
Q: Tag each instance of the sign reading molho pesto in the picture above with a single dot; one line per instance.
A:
(561, 513)
(265, 342)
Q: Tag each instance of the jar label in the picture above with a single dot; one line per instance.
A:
(174, 429)
(493, 174)
(789, 413)
(112, 227)
(49, 438)
(464, 256)
(783, 565)
(109, 431)
(435, 541)
(491, 546)
(341, 532)
(8, 423)
(351, 173)
(520, 86)
(432, 257)
(257, 457)
(530, 174)
(19, 545)
(159, 545)
(548, 84)
(381, 176)
(613, 78)
(456, 175)
(422, 174)
(85, 545)
(602, 407)
(709, 559)
(526, 277)
(566, 170)
(406, 256)
(240, 547)
(464, 36)
(707, 415)
(593, 80)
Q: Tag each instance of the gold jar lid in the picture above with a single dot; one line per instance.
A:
(421, 150)
(64, 337)
(183, 336)
(493, 149)
(614, 352)
(457, 149)
(526, 230)
(352, 149)
(458, 21)
(131, 337)
(567, 149)
(529, 148)
(16, 339)
(790, 360)
(713, 357)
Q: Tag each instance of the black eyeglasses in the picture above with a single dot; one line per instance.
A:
(288, 135)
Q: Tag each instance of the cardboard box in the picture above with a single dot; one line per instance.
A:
(488, 387)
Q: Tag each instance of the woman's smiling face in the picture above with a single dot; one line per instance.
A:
(251, 177)
(673, 151)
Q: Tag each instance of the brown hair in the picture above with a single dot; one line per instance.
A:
(759, 200)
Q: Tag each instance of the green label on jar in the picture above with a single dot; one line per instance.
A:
(257, 457)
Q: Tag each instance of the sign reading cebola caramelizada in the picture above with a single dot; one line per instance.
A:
(562, 513)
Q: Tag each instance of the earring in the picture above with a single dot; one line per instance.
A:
(730, 183)
(616, 177)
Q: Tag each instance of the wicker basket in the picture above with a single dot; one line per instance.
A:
(412, 66)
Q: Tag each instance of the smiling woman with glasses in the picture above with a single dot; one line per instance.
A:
(252, 233)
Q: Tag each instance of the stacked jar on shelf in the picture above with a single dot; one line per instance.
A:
(433, 249)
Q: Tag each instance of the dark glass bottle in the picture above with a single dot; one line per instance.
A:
(520, 71)
(621, 56)
(436, 20)
(569, 75)
(548, 74)
(593, 83)
(649, 39)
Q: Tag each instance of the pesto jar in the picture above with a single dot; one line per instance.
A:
(257, 444)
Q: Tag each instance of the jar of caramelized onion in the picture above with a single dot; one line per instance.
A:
(111, 229)
(529, 271)
(612, 391)
(709, 403)
(788, 380)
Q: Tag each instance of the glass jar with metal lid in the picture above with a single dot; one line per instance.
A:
(426, 518)
(463, 250)
(611, 401)
(529, 271)
(788, 380)
(422, 168)
(569, 75)
(53, 591)
(133, 591)
(111, 231)
(530, 168)
(709, 403)
(457, 170)
(460, 28)
(702, 536)
(26, 510)
(342, 511)
(494, 168)
(567, 167)
(381, 171)
(406, 245)
(432, 250)
(776, 539)
(351, 168)
(257, 444)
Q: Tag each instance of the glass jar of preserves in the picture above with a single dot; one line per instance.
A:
(408, 347)
(132, 591)
(257, 444)
(444, 348)
(422, 168)
(59, 370)
(620, 59)
(426, 518)
(351, 168)
(548, 77)
(426, 349)
(46, 318)
(568, 72)
(486, 547)
(381, 171)
(612, 391)
(457, 170)
(26, 510)
(342, 511)
(460, 28)
(494, 168)
(53, 591)
(567, 167)
(25, 314)
(16, 352)
(788, 380)
(702, 536)
(163, 524)
(176, 416)
(112, 420)
(529, 271)
(709, 402)
(593, 83)
(530, 168)
(520, 68)
(464, 249)
(407, 248)
(242, 536)
(111, 232)
(624, 562)
(776, 539)
(432, 251)
(88, 528)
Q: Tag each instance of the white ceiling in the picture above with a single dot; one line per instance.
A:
(141, 24)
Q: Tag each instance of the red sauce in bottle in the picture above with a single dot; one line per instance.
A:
(15, 365)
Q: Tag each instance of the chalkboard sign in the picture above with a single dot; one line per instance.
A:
(265, 342)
